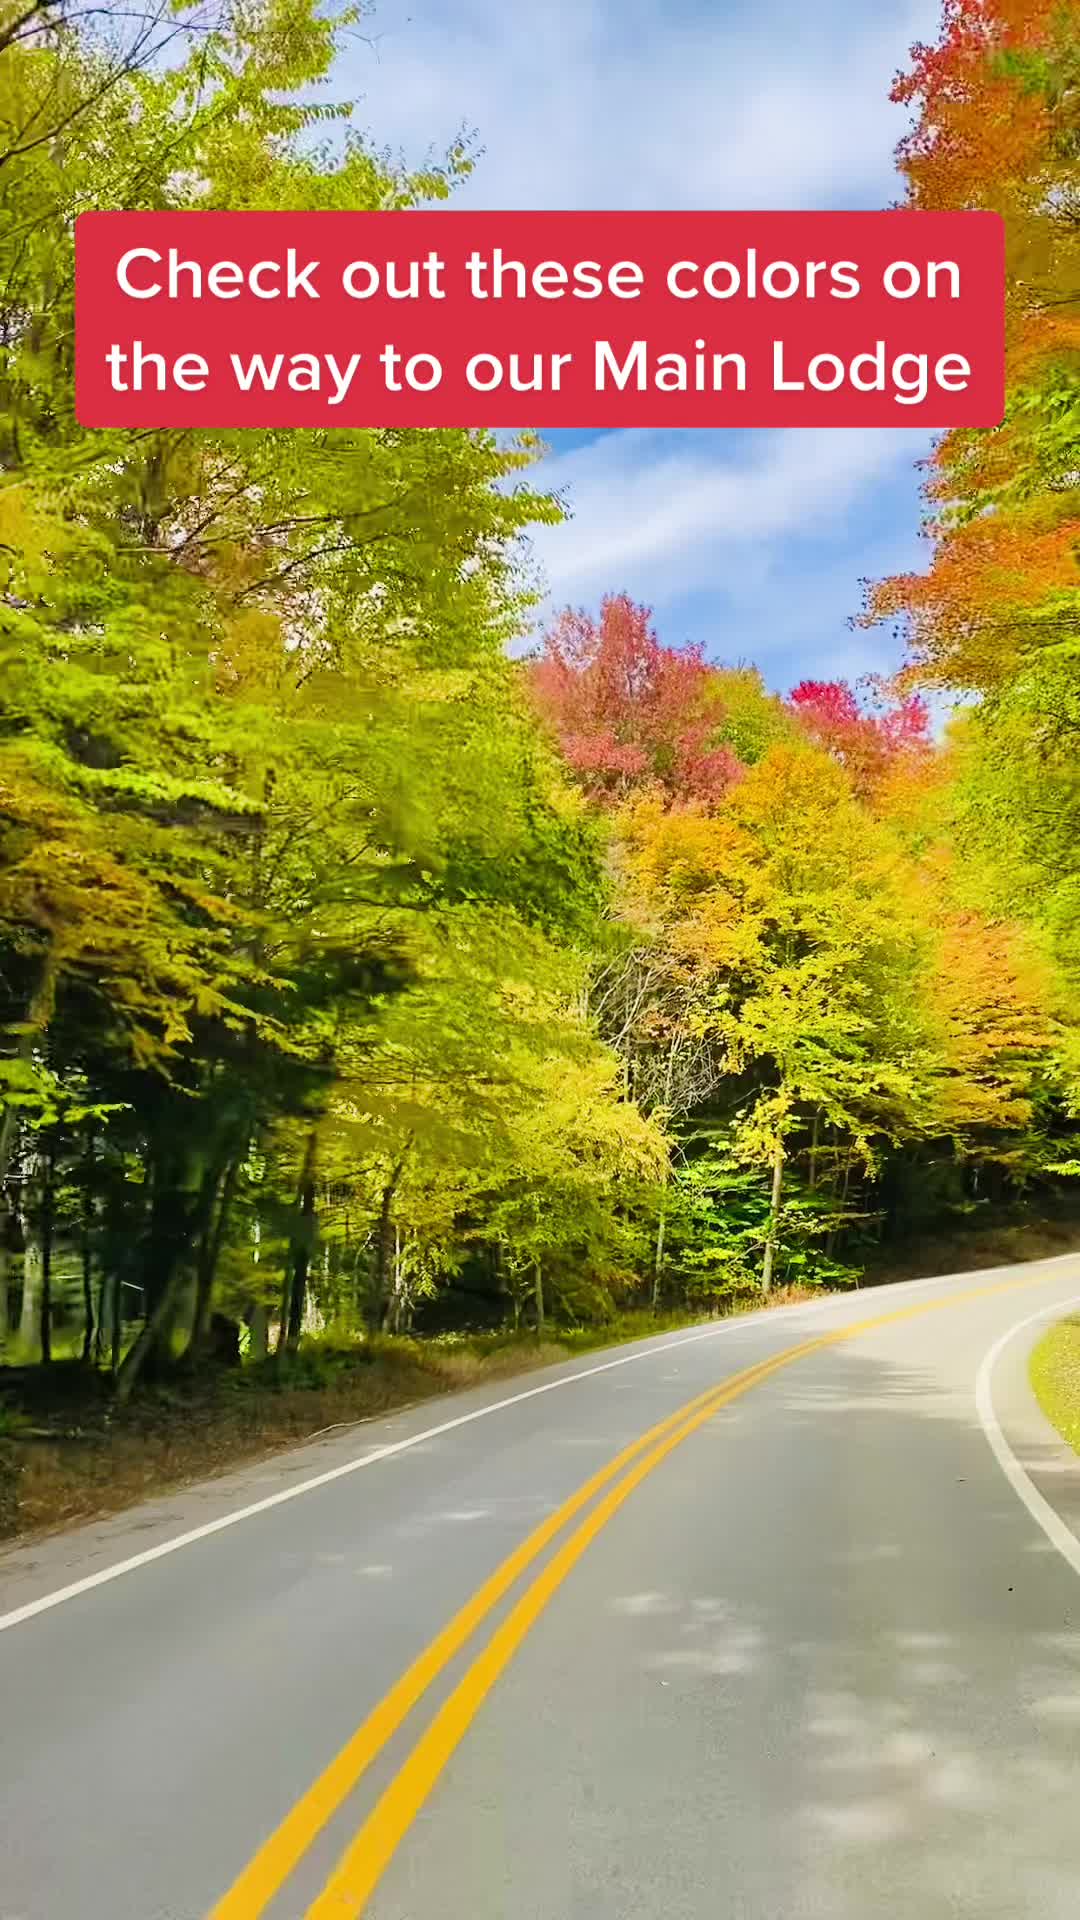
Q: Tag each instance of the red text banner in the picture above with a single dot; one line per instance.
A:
(586, 320)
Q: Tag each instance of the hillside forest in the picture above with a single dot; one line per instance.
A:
(372, 963)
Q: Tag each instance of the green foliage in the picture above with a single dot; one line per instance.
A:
(289, 881)
(719, 1221)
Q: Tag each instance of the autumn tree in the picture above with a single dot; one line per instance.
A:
(258, 713)
(788, 907)
(995, 127)
(871, 736)
(628, 711)
(996, 615)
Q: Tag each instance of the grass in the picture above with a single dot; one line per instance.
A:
(1055, 1377)
(68, 1454)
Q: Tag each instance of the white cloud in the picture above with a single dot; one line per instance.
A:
(683, 103)
(662, 513)
(645, 103)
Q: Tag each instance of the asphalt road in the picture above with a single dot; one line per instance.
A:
(810, 1653)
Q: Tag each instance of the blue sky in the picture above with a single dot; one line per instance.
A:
(751, 543)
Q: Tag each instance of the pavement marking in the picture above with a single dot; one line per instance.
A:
(271, 1866)
(364, 1861)
(370, 1459)
(663, 1345)
(17, 1615)
(1054, 1527)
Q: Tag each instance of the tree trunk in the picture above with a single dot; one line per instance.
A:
(47, 1214)
(116, 1323)
(157, 1325)
(283, 1311)
(538, 1289)
(210, 1245)
(86, 1248)
(106, 1288)
(181, 1199)
(9, 1131)
(30, 1312)
(503, 1288)
(38, 1015)
(5, 1271)
(395, 1306)
(384, 1253)
(771, 1235)
(205, 1263)
(294, 1292)
(384, 1241)
(301, 1270)
(257, 1345)
(104, 1307)
(831, 1241)
(658, 1260)
(30, 1316)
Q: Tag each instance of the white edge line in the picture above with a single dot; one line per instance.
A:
(1060, 1536)
(173, 1545)
(60, 1594)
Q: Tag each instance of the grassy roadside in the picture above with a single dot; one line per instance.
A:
(1054, 1370)
(68, 1454)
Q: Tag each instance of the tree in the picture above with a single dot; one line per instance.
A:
(245, 671)
(628, 711)
(995, 127)
(787, 907)
(997, 613)
(872, 738)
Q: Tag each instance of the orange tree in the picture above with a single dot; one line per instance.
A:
(996, 615)
(997, 125)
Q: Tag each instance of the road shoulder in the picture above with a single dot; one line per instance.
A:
(1049, 1462)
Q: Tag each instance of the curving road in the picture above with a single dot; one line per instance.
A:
(808, 1651)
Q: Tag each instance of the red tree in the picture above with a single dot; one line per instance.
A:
(628, 712)
(867, 742)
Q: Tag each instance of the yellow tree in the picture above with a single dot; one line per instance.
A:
(788, 906)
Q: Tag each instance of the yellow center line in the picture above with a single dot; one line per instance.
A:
(365, 1860)
(266, 1872)
(367, 1856)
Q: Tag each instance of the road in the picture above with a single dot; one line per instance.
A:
(808, 1653)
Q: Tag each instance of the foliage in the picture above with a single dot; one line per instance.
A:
(873, 739)
(1054, 1369)
(289, 883)
(719, 1223)
(629, 712)
(997, 612)
(818, 967)
(357, 980)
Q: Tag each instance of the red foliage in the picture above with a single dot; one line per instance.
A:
(867, 743)
(628, 712)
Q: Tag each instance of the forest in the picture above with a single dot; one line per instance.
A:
(373, 964)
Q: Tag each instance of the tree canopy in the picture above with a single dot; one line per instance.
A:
(355, 975)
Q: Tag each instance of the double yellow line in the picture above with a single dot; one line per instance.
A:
(368, 1855)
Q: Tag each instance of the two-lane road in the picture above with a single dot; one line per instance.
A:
(766, 1621)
